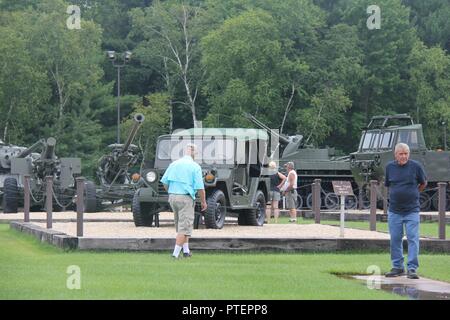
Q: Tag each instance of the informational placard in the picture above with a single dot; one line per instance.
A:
(343, 188)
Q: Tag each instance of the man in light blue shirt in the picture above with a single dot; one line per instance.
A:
(182, 179)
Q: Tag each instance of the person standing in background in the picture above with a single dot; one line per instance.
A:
(276, 182)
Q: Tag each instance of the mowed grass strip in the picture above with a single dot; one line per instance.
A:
(427, 229)
(31, 270)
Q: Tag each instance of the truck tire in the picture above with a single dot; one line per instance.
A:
(10, 196)
(216, 211)
(90, 197)
(140, 216)
(254, 217)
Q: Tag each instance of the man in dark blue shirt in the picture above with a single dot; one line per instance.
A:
(405, 179)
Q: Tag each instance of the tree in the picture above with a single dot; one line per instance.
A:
(168, 30)
(156, 122)
(70, 57)
(23, 84)
(430, 80)
(245, 68)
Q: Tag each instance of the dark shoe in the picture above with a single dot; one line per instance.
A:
(412, 274)
(187, 255)
(395, 273)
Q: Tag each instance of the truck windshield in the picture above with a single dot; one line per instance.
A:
(209, 149)
(409, 137)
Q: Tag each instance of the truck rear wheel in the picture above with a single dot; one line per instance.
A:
(254, 217)
(216, 211)
(10, 196)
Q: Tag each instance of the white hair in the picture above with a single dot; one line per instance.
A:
(272, 164)
(191, 148)
(401, 146)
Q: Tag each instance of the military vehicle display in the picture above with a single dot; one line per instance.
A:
(62, 170)
(232, 162)
(311, 163)
(376, 149)
(118, 185)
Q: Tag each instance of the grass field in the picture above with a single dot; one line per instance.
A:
(427, 229)
(30, 270)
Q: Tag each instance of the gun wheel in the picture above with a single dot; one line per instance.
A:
(10, 196)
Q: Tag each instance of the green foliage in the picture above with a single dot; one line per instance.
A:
(311, 67)
(430, 79)
(156, 122)
(24, 88)
(245, 65)
(325, 116)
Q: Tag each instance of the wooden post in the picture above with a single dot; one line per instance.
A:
(442, 204)
(373, 205)
(49, 200)
(316, 200)
(26, 191)
(80, 205)
(342, 215)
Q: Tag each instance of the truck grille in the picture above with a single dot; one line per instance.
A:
(161, 190)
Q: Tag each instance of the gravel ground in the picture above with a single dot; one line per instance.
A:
(125, 228)
(230, 230)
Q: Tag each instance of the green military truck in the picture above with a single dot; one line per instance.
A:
(234, 167)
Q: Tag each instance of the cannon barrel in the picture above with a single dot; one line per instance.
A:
(138, 119)
(49, 150)
(31, 149)
(282, 138)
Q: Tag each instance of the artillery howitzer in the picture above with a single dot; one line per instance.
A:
(7, 153)
(117, 184)
(62, 170)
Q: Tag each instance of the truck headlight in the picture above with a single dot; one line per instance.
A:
(151, 176)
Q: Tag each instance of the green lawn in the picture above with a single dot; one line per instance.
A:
(30, 270)
(427, 229)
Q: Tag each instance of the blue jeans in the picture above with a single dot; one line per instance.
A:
(411, 222)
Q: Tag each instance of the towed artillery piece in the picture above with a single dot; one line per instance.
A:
(376, 149)
(117, 183)
(8, 152)
(38, 167)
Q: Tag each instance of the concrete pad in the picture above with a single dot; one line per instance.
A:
(422, 289)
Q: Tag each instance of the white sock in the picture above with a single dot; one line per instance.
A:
(185, 247)
(176, 251)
